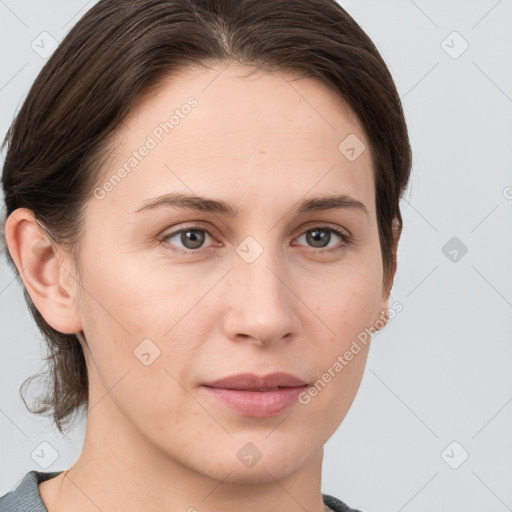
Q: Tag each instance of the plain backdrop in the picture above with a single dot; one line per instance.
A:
(430, 428)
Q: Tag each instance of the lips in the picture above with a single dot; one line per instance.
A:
(256, 397)
(251, 382)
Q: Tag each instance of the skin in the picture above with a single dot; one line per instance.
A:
(261, 143)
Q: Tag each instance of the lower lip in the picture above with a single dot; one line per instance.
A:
(257, 404)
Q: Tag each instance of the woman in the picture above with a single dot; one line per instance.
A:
(202, 203)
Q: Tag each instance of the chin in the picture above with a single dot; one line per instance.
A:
(261, 473)
(249, 459)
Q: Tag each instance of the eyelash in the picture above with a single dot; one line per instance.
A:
(346, 239)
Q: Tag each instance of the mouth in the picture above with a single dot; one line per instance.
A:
(257, 397)
(251, 382)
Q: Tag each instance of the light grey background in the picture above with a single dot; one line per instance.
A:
(440, 372)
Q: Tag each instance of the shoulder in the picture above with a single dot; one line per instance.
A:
(337, 505)
(25, 496)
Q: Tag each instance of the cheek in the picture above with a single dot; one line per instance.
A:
(132, 358)
(339, 359)
(140, 319)
(346, 306)
(348, 300)
(134, 298)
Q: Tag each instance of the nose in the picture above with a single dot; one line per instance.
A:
(261, 306)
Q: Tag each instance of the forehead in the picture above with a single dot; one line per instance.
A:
(228, 128)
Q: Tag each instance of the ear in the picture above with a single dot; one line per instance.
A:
(386, 286)
(47, 272)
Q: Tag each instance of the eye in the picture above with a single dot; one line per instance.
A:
(320, 236)
(193, 239)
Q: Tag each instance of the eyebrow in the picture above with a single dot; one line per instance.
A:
(205, 205)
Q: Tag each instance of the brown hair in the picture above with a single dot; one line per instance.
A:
(117, 52)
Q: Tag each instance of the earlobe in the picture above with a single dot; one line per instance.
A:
(47, 279)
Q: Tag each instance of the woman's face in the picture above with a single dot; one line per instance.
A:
(249, 279)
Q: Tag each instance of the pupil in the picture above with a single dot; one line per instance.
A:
(317, 235)
(196, 241)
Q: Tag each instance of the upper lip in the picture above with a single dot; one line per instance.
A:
(251, 382)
